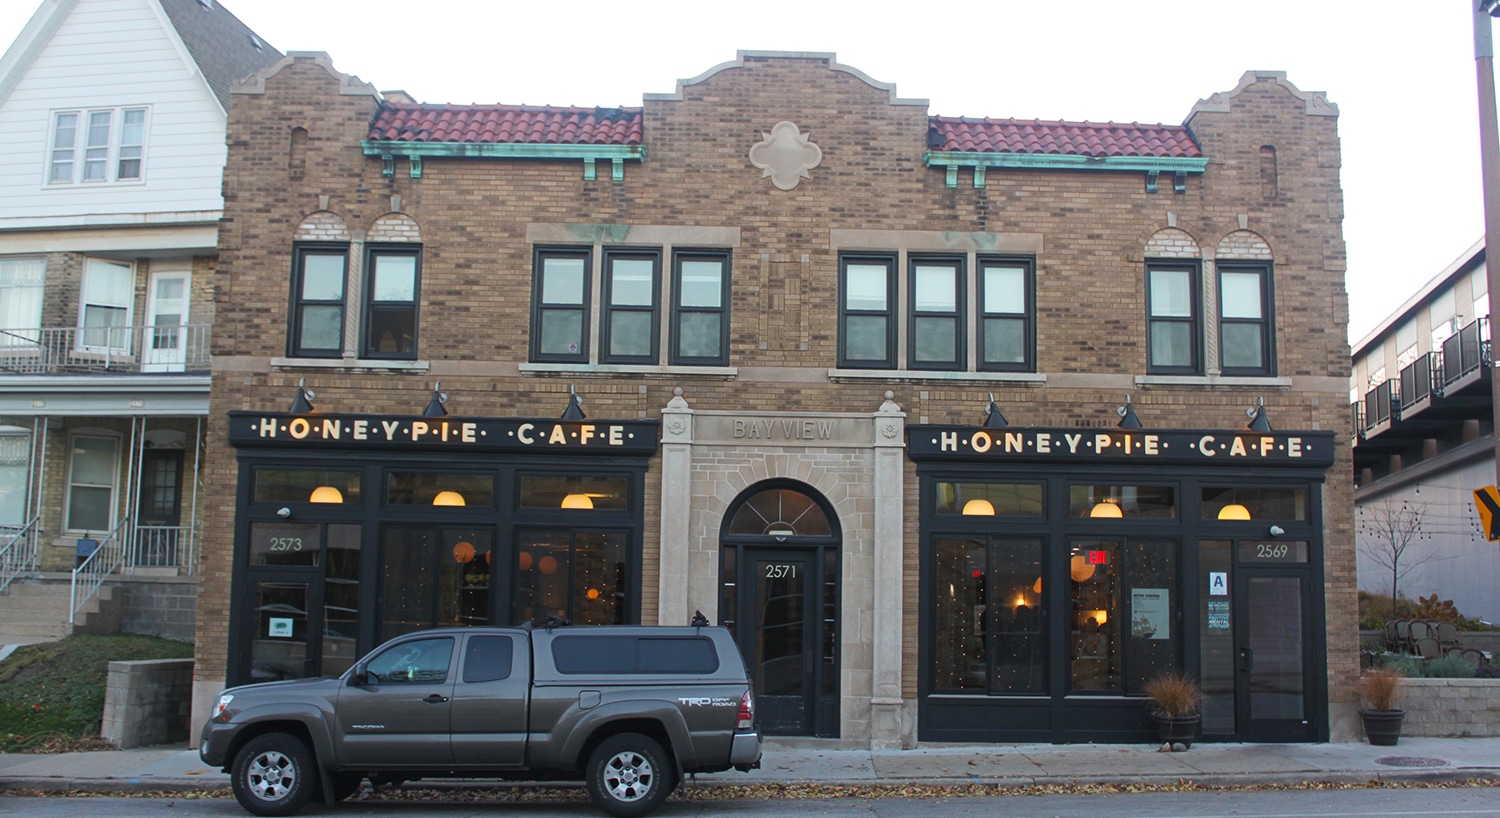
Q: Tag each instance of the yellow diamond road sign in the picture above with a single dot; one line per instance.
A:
(1487, 501)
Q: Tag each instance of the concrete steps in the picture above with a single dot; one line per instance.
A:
(36, 609)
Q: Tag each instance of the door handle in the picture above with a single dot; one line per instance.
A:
(1247, 659)
(434, 698)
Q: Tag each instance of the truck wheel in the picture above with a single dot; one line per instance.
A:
(274, 775)
(630, 775)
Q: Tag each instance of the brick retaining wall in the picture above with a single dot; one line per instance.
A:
(1442, 708)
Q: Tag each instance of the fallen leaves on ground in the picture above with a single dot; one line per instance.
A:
(457, 792)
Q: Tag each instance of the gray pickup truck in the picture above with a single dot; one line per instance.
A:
(627, 709)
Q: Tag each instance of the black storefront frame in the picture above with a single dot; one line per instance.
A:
(505, 517)
(1060, 716)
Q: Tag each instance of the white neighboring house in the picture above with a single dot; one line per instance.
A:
(1425, 439)
(113, 115)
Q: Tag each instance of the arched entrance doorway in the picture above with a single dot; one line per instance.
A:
(779, 568)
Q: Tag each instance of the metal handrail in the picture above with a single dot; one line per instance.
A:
(90, 574)
(15, 560)
(53, 350)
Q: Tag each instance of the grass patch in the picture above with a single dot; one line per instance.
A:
(52, 694)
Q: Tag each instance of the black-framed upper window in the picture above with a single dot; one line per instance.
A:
(1007, 341)
(867, 314)
(700, 308)
(317, 325)
(936, 333)
(1246, 330)
(393, 278)
(629, 331)
(560, 306)
(1173, 319)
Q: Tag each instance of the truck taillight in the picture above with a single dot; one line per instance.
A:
(746, 718)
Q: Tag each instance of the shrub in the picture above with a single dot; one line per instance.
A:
(1402, 664)
(1488, 670)
(1381, 687)
(1174, 694)
(1448, 667)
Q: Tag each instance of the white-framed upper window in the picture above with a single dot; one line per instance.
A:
(97, 146)
(93, 463)
(106, 306)
(22, 281)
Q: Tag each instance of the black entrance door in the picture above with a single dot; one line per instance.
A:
(1273, 657)
(782, 642)
(159, 537)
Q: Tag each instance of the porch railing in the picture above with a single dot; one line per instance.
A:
(60, 350)
(163, 546)
(91, 573)
(18, 553)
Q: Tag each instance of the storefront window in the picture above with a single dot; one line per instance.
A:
(341, 599)
(990, 499)
(433, 576)
(989, 593)
(1152, 649)
(575, 493)
(575, 575)
(1216, 638)
(1122, 501)
(439, 489)
(1094, 575)
(1241, 503)
(298, 485)
(279, 648)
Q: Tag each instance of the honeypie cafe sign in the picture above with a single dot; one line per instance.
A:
(516, 435)
(1178, 446)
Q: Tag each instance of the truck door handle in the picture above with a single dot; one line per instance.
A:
(434, 698)
(1247, 659)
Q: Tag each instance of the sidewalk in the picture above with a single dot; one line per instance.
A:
(177, 769)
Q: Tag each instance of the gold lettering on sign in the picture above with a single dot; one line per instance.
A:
(585, 432)
(468, 433)
(1013, 442)
(523, 433)
(1237, 448)
(949, 441)
(390, 427)
(980, 442)
(299, 427)
(331, 429)
(558, 435)
(267, 427)
(1205, 446)
(616, 436)
(1044, 443)
(1294, 447)
(361, 429)
(1151, 444)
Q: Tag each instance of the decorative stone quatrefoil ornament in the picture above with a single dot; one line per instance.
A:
(786, 155)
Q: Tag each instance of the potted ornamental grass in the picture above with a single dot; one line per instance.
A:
(1177, 706)
(1381, 689)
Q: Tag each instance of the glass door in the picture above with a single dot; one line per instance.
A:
(784, 639)
(1272, 647)
(166, 321)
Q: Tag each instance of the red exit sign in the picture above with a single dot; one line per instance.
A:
(1098, 558)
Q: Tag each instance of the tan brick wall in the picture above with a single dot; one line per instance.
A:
(1096, 230)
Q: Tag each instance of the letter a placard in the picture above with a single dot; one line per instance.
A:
(1487, 501)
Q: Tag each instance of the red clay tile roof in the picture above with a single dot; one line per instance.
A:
(951, 133)
(406, 122)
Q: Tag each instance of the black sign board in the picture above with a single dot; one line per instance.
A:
(1216, 447)
(607, 438)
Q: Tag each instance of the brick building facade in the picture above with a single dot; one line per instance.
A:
(798, 312)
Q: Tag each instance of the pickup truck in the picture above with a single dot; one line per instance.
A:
(627, 709)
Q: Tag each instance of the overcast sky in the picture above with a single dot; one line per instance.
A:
(1401, 73)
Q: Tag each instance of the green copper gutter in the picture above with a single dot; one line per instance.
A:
(416, 151)
(1153, 166)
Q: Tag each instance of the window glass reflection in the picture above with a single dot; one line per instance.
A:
(990, 499)
(1259, 503)
(1122, 501)
(576, 493)
(298, 485)
(423, 488)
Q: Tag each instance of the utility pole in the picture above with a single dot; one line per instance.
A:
(1489, 153)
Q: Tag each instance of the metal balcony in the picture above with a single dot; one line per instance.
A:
(79, 350)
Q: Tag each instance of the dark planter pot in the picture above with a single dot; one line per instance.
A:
(1178, 729)
(1383, 727)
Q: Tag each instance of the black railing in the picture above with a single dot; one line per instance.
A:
(1416, 380)
(1466, 351)
(1378, 404)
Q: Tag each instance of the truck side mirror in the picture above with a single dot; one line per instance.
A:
(360, 677)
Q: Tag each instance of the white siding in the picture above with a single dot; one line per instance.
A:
(1462, 565)
(112, 53)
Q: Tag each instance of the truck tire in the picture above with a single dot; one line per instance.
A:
(274, 775)
(630, 775)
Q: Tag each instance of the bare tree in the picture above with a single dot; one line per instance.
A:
(1391, 530)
